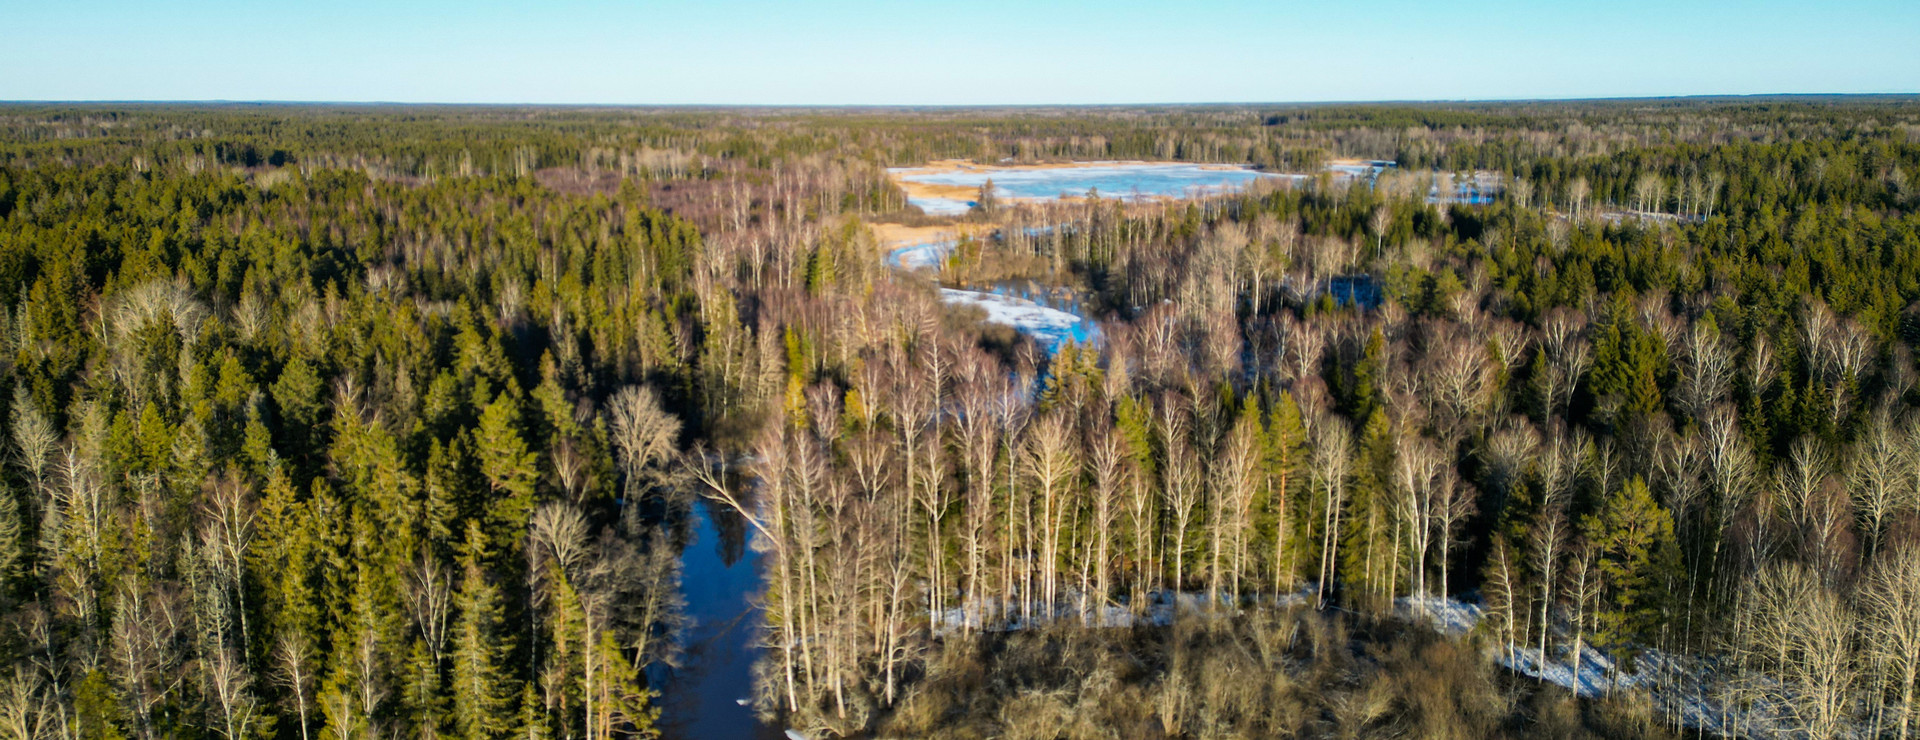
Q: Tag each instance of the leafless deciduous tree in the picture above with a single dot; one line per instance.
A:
(1890, 597)
(1706, 371)
(1577, 192)
(230, 686)
(1801, 636)
(1458, 370)
(1552, 527)
(26, 712)
(1417, 465)
(1873, 473)
(1053, 464)
(1649, 192)
(1504, 594)
(293, 670)
(1330, 463)
(643, 433)
(1568, 355)
(1730, 472)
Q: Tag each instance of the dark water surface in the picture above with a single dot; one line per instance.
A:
(720, 575)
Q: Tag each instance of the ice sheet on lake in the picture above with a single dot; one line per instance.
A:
(1357, 170)
(1110, 180)
(942, 206)
(1049, 325)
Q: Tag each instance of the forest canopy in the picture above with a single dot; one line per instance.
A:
(387, 421)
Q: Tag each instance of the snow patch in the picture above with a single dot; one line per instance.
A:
(1050, 325)
(942, 206)
(1450, 617)
(921, 255)
(1692, 689)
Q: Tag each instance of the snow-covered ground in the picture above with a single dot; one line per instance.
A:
(1142, 180)
(1450, 617)
(942, 206)
(921, 255)
(1159, 613)
(1050, 325)
(1692, 689)
(1361, 169)
(1680, 686)
(1689, 688)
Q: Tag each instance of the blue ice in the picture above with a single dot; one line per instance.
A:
(1110, 181)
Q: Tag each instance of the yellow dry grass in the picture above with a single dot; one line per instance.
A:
(894, 236)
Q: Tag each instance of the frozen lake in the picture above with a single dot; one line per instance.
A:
(947, 190)
(942, 206)
(1128, 180)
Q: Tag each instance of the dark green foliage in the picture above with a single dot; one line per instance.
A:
(327, 385)
(1639, 560)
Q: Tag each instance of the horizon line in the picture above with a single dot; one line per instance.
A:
(1704, 97)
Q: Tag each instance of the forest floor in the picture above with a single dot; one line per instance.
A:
(1695, 690)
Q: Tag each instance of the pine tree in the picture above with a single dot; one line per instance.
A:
(533, 723)
(480, 699)
(1285, 450)
(449, 472)
(508, 466)
(298, 394)
(1369, 566)
(1638, 555)
(283, 556)
(1629, 361)
(1365, 394)
(1135, 424)
(623, 707)
(421, 693)
(96, 709)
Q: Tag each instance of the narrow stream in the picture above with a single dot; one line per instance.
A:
(720, 575)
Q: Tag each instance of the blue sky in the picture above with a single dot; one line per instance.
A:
(955, 52)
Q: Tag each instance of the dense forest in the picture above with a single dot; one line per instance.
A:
(367, 421)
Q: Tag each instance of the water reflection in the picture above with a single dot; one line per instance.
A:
(720, 576)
